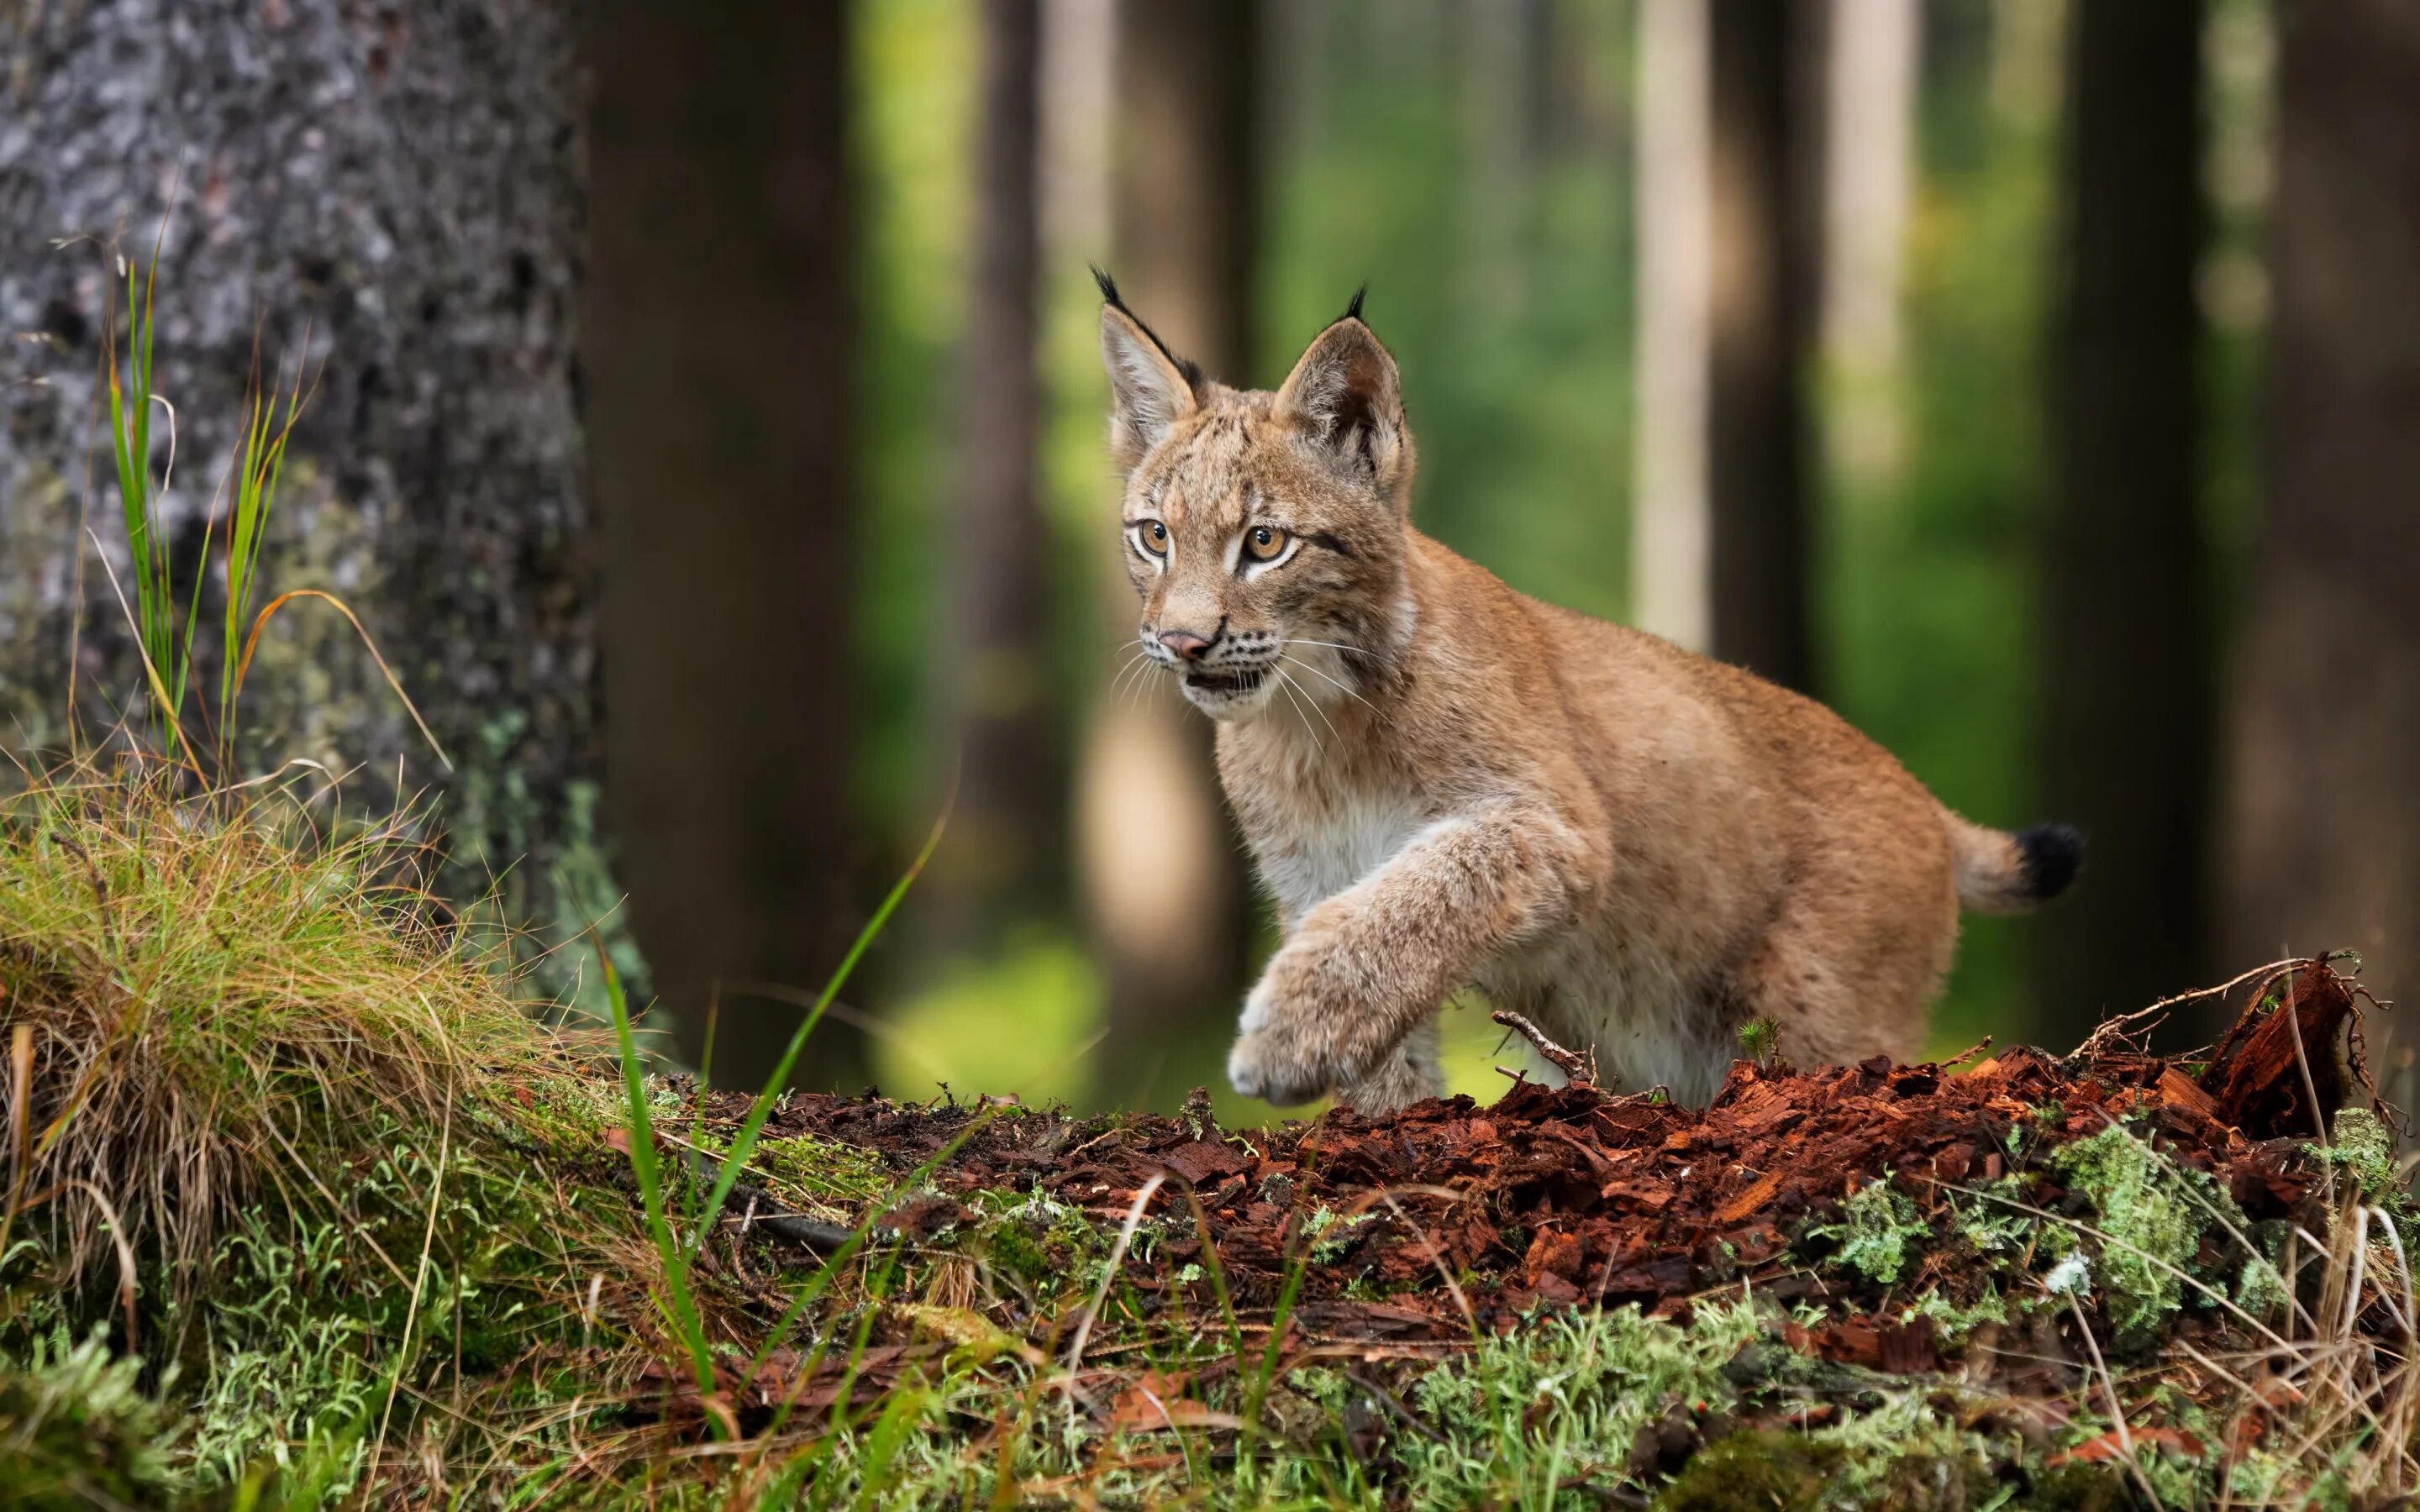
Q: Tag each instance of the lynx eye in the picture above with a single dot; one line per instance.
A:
(1151, 535)
(1265, 543)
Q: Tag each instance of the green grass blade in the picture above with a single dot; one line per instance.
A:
(838, 1262)
(678, 1303)
(882, 1444)
(743, 1144)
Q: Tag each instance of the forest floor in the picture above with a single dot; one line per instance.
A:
(306, 1210)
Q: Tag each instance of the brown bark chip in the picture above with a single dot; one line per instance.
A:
(1563, 1196)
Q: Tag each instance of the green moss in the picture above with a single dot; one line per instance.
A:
(822, 1177)
(1875, 1231)
(2152, 1222)
(2364, 1147)
(1332, 1234)
(1562, 1399)
(1763, 1471)
(1951, 1322)
(77, 1431)
(2080, 1487)
(1043, 1244)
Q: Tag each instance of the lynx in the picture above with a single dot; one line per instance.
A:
(1445, 784)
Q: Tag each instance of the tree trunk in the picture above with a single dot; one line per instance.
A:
(1001, 859)
(1162, 879)
(1756, 470)
(1869, 161)
(2322, 814)
(1671, 574)
(2126, 675)
(407, 185)
(720, 368)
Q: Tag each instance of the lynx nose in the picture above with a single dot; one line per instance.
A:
(1188, 647)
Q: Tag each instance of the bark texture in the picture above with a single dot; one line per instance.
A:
(2127, 672)
(1162, 878)
(2323, 813)
(720, 360)
(405, 181)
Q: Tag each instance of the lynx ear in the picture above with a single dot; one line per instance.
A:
(1345, 392)
(1151, 388)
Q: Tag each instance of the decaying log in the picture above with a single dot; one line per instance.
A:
(2283, 1072)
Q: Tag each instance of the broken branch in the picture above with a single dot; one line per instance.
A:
(1580, 1068)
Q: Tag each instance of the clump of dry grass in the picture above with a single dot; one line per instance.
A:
(2322, 1407)
(208, 1002)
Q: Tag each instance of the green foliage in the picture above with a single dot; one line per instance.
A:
(255, 470)
(130, 434)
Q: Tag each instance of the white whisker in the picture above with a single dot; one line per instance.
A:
(1332, 645)
(1134, 676)
(1286, 685)
(1347, 689)
(1315, 702)
(1125, 672)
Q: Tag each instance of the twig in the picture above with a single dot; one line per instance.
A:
(766, 1215)
(2119, 1029)
(1965, 1057)
(1580, 1069)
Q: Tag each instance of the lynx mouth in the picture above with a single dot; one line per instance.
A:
(1243, 680)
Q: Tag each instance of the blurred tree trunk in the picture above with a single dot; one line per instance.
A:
(1001, 859)
(1162, 878)
(1869, 163)
(720, 364)
(1760, 88)
(2322, 812)
(407, 186)
(1670, 578)
(2127, 670)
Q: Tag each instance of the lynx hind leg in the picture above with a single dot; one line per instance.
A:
(1410, 1073)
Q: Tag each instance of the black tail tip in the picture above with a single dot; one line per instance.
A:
(2052, 854)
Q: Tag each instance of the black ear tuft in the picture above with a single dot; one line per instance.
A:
(1194, 378)
(1353, 311)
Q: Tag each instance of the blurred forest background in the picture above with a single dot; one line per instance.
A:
(709, 422)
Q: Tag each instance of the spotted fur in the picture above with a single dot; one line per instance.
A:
(1446, 784)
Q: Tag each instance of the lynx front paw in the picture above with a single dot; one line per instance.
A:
(1268, 1065)
(1282, 1056)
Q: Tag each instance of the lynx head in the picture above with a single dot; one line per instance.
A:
(1265, 533)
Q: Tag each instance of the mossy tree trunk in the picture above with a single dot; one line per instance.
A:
(392, 194)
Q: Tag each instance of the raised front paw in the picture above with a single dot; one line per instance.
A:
(1290, 1050)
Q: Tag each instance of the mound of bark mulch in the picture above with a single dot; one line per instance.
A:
(1460, 1214)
